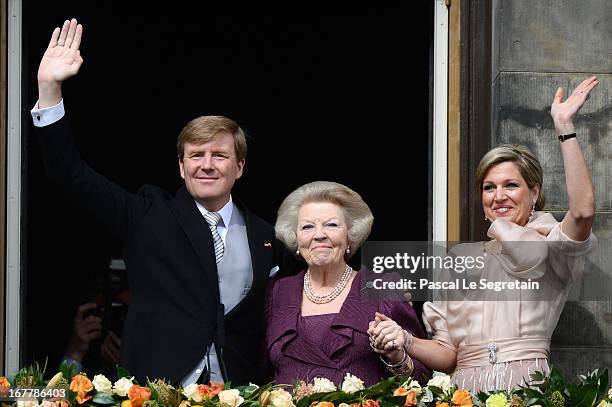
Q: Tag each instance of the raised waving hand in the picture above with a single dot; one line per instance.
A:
(579, 219)
(61, 60)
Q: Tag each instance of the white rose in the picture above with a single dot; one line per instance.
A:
(323, 385)
(281, 398)
(351, 384)
(440, 380)
(428, 396)
(122, 386)
(230, 398)
(610, 393)
(27, 403)
(415, 386)
(101, 383)
(192, 393)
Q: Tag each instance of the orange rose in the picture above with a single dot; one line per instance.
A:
(370, 403)
(216, 388)
(4, 385)
(138, 395)
(400, 391)
(411, 399)
(322, 404)
(62, 403)
(444, 404)
(81, 385)
(462, 397)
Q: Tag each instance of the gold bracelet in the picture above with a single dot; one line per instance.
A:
(405, 370)
(396, 365)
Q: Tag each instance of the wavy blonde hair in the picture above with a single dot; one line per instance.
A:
(526, 162)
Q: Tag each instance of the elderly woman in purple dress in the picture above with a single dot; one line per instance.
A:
(317, 322)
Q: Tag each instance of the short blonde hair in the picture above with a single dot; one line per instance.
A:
(526, 162)
(205, 128)
(357, 214)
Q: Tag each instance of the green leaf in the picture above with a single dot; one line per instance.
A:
(437, 391)
(122, 372)
(584, 397)
(303, 402)
(103, 398)
(603, 383)
(68, 370)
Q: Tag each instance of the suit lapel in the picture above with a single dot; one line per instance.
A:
(195, 227)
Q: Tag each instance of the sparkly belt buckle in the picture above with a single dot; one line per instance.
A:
(492, 346)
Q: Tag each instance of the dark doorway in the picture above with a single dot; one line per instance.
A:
(337, 94)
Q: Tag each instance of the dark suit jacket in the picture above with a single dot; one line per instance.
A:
(171, 270)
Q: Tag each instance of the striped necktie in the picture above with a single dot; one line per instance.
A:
(213, 218)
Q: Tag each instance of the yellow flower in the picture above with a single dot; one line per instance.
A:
(497, 400)
(126, 403)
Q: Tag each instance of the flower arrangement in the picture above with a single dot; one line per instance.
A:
(550, 391)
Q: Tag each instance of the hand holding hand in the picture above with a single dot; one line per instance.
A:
(387, 337)
(563, 112)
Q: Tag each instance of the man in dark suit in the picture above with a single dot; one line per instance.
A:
(198, 262)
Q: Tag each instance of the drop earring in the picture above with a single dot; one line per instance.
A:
(348, 250)
(297, 252)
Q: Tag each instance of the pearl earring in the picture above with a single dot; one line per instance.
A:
(348, 250)
(297, 252)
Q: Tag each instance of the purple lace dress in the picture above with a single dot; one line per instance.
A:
(329, 345)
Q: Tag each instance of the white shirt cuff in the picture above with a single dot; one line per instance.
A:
(48, 115)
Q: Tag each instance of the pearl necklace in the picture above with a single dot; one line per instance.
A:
(330, 296)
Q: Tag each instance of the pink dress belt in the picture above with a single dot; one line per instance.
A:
(502, 350)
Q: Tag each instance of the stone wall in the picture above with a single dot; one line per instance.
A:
(539, 45)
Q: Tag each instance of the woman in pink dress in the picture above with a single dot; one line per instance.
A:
(495, 345)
